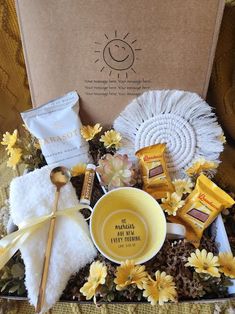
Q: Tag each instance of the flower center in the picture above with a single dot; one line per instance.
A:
(205, 266)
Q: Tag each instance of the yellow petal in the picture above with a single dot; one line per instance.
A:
(111, 138)
(88, 132)
(213, 271)
(88, 290)
(79, 169)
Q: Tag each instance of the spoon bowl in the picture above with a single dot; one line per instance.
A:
(60, 176)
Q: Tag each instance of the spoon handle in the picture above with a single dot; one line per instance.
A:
(46, 263)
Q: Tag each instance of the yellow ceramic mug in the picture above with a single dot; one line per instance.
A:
(128, 223)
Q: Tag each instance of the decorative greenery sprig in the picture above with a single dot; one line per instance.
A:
(24, 149)
(121, 281)
(206, 263)
(160, 290)
(209, 274)
(12, 277)
(101, 144)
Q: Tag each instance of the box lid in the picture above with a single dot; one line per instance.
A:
(112, 51)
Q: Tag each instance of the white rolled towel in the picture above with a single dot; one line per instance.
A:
(33, 195)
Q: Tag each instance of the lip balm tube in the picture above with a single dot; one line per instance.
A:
(88, 184)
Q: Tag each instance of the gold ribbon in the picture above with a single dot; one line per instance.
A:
(11, 243)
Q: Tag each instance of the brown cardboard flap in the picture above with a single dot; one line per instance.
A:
(110, 51)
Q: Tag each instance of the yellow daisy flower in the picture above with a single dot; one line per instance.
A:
(2, 250)
(227, 264)
(80, 168)
(88, 132)
(15, 157)
(204, 262)
(9, 140)
(128, 273)
(200, 166)
(36, 144)
(222, 138)
(89, 290)
(161, 290)
(183, 186)
(172, 203)
(111, 138)
(97, 276)
(98, 273)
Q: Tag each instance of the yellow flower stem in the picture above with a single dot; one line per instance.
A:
(94, 300)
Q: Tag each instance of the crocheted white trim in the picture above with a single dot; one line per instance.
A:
(182, 120)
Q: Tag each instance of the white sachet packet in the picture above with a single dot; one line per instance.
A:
(57, 127)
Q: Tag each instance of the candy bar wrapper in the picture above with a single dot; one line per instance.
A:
(156, 179)
(201, 208)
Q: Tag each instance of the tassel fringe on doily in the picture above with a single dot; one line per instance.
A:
(182, 120)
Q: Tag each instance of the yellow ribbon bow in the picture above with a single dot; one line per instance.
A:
(11, 243)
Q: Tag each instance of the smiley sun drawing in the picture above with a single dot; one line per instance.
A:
(117, 54)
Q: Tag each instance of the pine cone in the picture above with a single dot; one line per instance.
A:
(189, 288)
(131, 293)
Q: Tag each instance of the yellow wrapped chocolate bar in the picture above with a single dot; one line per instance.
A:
(156, 179)
(201, 207)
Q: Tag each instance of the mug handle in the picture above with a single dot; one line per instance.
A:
(89, 208)
(175, 231)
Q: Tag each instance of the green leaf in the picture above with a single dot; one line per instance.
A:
(21, 289)
(227, 282)
(13, 288)
(2, 283)
(17, 271)
(4, 287)
(5, 275)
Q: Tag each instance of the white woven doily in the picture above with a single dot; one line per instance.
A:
(182, 120)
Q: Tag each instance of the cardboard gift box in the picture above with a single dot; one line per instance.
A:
(111, 52)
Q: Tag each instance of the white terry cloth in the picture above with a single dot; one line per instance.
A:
(33, 195)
